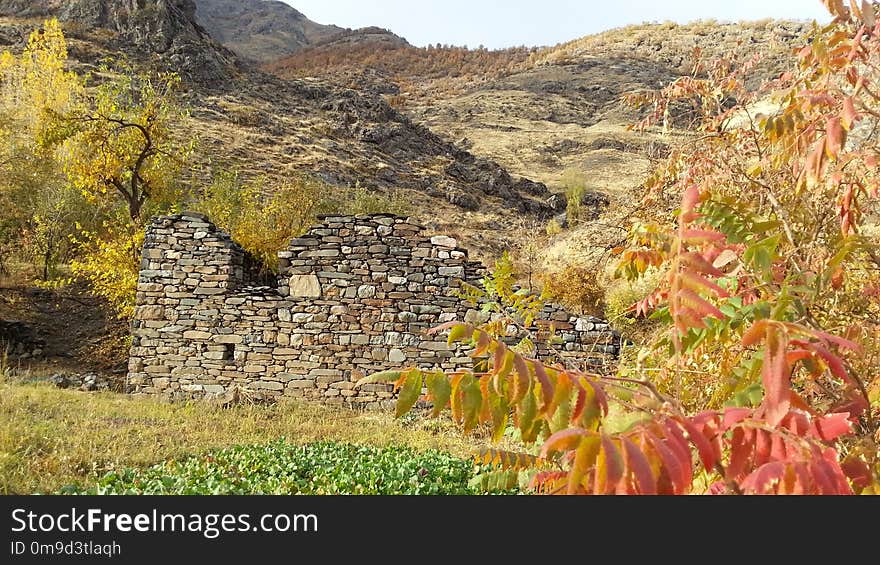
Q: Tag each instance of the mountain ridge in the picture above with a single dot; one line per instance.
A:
(262, 31)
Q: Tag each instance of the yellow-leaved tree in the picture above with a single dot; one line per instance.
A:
(126, 143)
(38, 208)
(85, 161)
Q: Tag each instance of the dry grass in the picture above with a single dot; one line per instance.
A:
(50, 438)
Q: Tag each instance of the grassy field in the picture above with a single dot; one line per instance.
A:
(51, 438)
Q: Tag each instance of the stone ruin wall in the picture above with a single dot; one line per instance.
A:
(353, 296)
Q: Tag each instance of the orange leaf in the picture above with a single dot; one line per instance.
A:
(703, 308)
(699, 263)
(849, 115)
(696, 282)
(868, 15)
(755, 333)
(835, 137)
(564, 440)
(546, 385)
(697, 237)
(775, 377)
(689, 204)
(522, 379)
(609, 467)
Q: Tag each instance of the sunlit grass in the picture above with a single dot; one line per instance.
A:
(50, 438)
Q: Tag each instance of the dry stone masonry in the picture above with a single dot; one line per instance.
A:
(354, 295)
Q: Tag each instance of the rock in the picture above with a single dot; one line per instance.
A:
(60, 380)
(462, 199)
(304, 286)
(530, 187)
(561, 219)
(557, 202)
(366, 291)
(444, 241)
(89, 382)
(396, 356)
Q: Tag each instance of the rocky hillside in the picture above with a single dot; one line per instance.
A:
(266, 30)
(264, 125)
(260, 30)
(163, 31)
(544, 113)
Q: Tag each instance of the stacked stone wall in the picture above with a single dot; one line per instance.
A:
(354, 295)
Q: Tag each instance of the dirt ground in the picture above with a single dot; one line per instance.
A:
(78, 330)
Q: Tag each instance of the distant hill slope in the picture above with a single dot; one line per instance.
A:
(541, 113)
(267, 30)
(263, 125)
(260, 30)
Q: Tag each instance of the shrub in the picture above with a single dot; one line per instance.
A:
(575, 287)
(263, 217)
(765, 354)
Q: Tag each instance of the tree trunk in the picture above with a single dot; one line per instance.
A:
(134, 209)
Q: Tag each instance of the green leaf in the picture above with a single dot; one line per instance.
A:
(381, 377)
(500, 413)
(471, 403)
(459, 333)
(440, 389)
(409, 392)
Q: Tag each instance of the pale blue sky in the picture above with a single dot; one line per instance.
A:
(497, 23)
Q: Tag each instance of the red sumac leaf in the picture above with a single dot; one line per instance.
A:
(835, 365)
(762, 447)
(733, 416)
(836, 137)
(836, 340)
(704, 447)
(444, 327)
(679, 471)
(689, 203)
(640, 468)
(849, 116)
(764, 479)
(857, 471)
(831, 426)
(742, 444)
(776, 377)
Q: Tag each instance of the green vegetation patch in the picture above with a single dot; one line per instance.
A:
(280, 467)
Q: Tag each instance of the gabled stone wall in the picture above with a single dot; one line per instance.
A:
(354, 295)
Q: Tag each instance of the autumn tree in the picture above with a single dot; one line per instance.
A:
(38, 208)
(84, 161)
(125, 142)
(762, 377)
